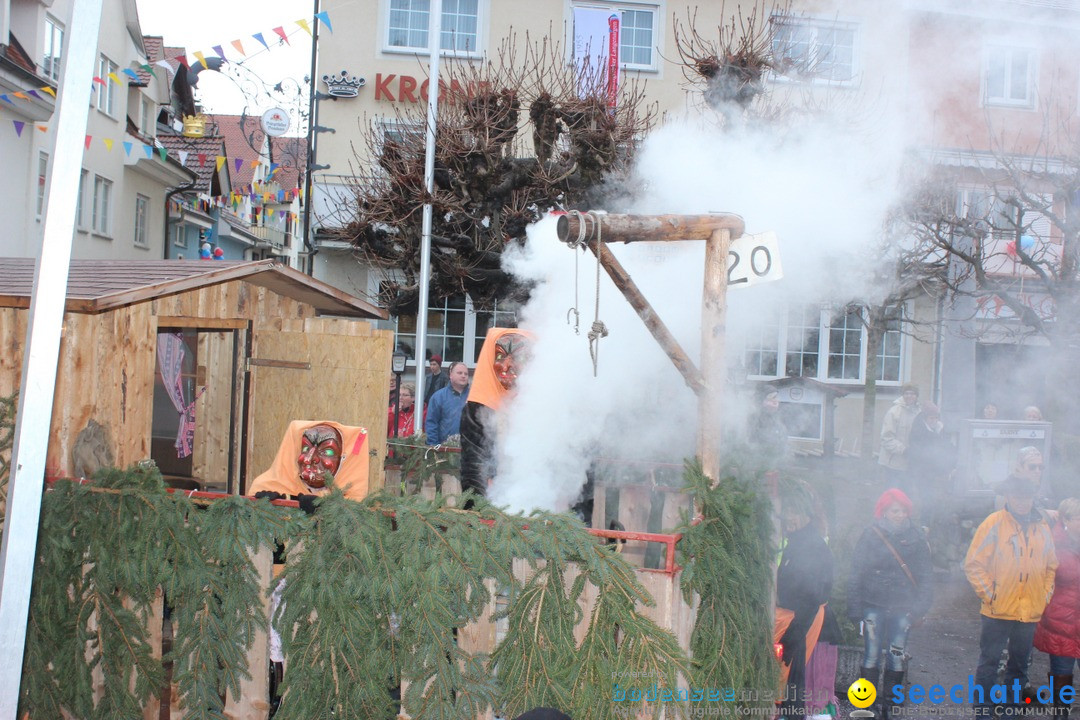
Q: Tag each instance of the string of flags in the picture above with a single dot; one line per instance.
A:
(200, 57)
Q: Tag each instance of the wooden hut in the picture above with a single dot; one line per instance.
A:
(199, 365)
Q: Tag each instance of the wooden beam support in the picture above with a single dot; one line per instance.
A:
(646, 228)
(691, 374)
(713, 358)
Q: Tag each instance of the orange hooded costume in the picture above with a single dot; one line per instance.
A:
(487, 394)
(351, 476)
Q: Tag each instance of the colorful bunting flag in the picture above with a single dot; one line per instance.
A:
(149, 152)
(239, 163)
(183, 157)
(19, 95)
(18, 127)
(108, 143)
(182, 60)
(202, 159)
(34, 93)
(164, 153)
(115, 78)
(220, 162)
(127, 148)
(281, 33)
(165, 64)
(239, 47)
(259, 37)
(220, 53)
(86, 142)
(42, 128)
(6, 99)
(149, 69)
(324, 18)
(201, 58)
(48, 90)
(131, 74)
(98, 80)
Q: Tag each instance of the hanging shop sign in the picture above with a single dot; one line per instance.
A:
(275, 122)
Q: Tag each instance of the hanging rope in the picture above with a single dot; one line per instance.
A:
(574, 245)
(598, 329)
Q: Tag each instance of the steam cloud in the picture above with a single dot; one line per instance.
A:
(824, 191)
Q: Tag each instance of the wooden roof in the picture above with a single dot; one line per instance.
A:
(95, 286)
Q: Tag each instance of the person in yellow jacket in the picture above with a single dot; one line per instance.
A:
(1010, 565)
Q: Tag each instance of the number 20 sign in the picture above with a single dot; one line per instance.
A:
(754, 259)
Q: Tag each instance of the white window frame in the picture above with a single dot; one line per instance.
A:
(42, 183)
(449, 6)
(471, 340)
(621, 8)
(147, 121)
(106, 92)
(817, 49)
(101, 211)
(1006, 53)
(180, 235)
(142, 221)
(827, 318)
(52, 53)
(80, 201)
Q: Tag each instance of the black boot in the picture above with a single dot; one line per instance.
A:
(1058, 682)
(889, 679)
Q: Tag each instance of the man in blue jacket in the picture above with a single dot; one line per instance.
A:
(444, 410)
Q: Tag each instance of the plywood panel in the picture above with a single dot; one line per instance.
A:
(77, 382)
(135, 359)
(12, 337)
(214, 389)
(346, 382)
(253, 702)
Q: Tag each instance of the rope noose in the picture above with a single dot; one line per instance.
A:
(598, 329)
(574, 245)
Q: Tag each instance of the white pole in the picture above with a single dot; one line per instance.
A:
(434, 48)
(41, 354)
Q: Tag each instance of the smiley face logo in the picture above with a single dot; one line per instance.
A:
(862, 693)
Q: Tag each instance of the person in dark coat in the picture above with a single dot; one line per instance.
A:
(890, 588)
(931, 459)
(803, 586)
(1058, 632)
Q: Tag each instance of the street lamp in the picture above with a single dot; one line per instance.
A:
(397, 365)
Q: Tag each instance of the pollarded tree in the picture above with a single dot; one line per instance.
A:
(517, 136)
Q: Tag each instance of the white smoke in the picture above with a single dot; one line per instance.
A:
(824, 192)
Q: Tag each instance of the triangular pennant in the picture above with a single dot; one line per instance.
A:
(149, 151)
(48, 90)
(324, 18)
(115, 78)
(239, 47)
(5, 98)
(281, 34)
(304, 25)
(108, 143)
(259, 37)
(98, 80)
(131, 74)
(239, 163)
(254, 164)
(220, 162)
(202, 159)
(164, 153)
(165, 64)
(201, 58)
(183, 157)
(182, 60)
(18, 127)
(42, 128)
(20, 96)
(34, 93)
(86, 142)
(149, 69)
(127, 148)
(220, 53)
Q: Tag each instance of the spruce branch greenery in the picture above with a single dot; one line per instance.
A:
(376, 594)
(728, 563)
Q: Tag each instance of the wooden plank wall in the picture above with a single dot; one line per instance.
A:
(214, 384)
(346, 382)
